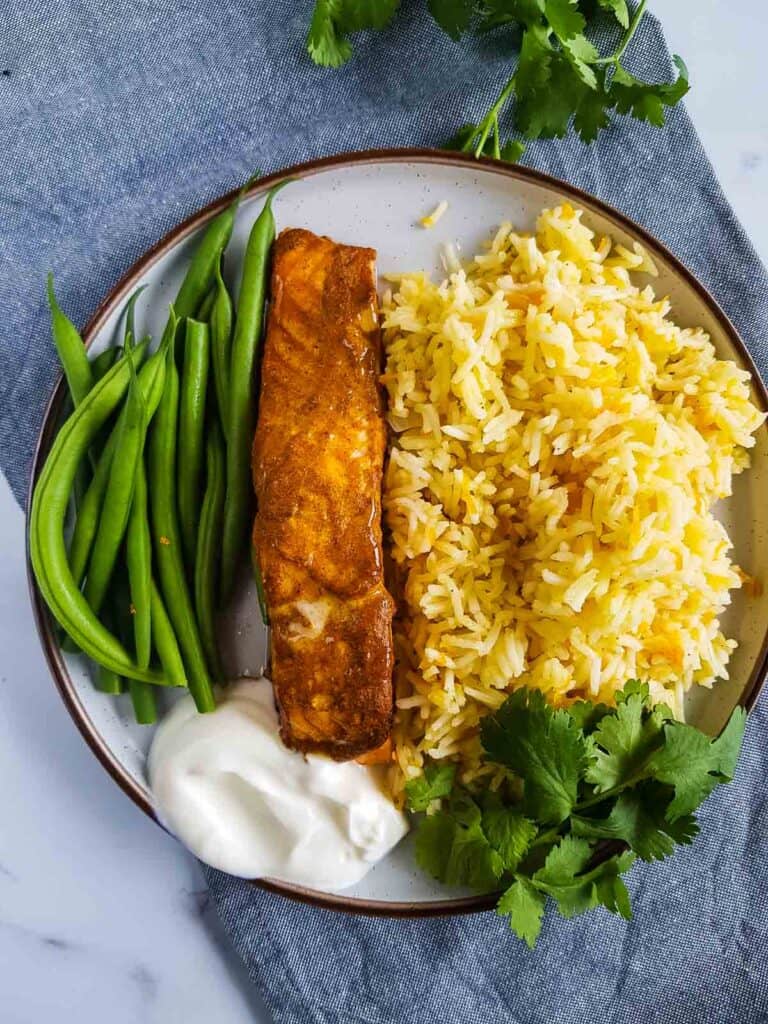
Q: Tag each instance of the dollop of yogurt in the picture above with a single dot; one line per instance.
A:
(225, 784)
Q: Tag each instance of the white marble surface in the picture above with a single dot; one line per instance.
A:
(103, 916)
(721, 44)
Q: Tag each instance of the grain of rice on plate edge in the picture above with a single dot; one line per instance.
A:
(558, 445)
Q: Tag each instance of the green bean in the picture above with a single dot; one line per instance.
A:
(47, 548)
(143, 701)
(118, 496)
(166, 533)
(165, 641)
(204, 312)
(102, 362)
(142, 694)
(144, 396)
(87, 523)
(78, 372)
(89, 510)
(130, 310)
(194, 386)
(221, 343)
(201, 271)
(99, 365)
(241, 407)
(72, 353)
(88, 502)
(107, 681)
(208, 546)
(138, 556)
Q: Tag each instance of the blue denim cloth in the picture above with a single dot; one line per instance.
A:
(119, 119)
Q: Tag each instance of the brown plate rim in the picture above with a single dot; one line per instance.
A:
(44, 622)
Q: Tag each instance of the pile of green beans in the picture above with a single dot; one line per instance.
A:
(153, 462)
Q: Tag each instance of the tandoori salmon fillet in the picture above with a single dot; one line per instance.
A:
(318, 460)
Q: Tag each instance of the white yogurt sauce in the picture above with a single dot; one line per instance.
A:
(225, 784)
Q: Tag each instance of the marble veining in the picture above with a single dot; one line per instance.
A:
(8, 874)
(54, 942)
(146, 982)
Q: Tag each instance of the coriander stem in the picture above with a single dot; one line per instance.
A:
(467, 146)
(486, 124)
(608, 793)
(496, 143)
(553, 833)
(637, 17)
(591, 874)
(546, 837)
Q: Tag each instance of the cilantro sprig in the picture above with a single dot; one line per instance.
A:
(561, 78)
(601, 787)
(333, 20)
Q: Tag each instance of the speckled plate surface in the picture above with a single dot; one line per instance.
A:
(375, 199)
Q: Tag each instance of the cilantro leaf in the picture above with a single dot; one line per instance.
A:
(638, 818)
(512, 150)
(693, 764)
(612, 894)
(562, 878)
(433, 844)
(547, 112)
(534, 62)
(581, 49)
(508, 832)
(543, 747)
(456, 855)
(434, 784)
(524, 906)
(622, 742)
(464, 810)
(453, 16)
(587, 715)
(619, 10)
(473, 861)
(644, 100)
(727, 747)
(581, 53)
(559, 879)
(574, 898)
(325, 44)
(634, 688)
(333, 20)
(565, 18)
(359, 15)
(610, 890)
(564, 862)
(503, 12)
(684, 762)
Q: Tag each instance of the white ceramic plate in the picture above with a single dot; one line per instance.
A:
(376, 199)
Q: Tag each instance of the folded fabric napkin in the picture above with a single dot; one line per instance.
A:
(118, 120)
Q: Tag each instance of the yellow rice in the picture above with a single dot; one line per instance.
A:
(558, 444)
